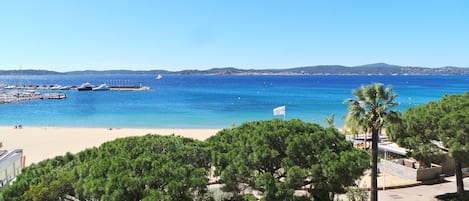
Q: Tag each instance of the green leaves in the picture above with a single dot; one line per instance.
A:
(371, 107)
(133, 168)
(277, 157)
(370, 112)
(445, 121)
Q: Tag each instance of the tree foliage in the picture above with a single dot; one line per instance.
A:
(275, 157)
(416, 132)
(278, 157)
(134, 168)
(445, 121)
(370, 111)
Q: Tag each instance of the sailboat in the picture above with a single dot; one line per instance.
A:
(158, 77)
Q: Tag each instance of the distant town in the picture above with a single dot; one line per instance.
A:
(369, 69)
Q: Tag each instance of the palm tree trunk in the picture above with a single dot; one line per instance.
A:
(374, 165)
(459, 181)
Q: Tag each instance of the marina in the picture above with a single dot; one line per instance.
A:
(22, 93)
(83, 87)
(28, 96)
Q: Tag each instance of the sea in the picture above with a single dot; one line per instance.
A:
(211, 101)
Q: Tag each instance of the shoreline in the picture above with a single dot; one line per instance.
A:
(43, 142)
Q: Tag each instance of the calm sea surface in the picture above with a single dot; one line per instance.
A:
(210, 101)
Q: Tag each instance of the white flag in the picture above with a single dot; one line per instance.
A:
(279, 110)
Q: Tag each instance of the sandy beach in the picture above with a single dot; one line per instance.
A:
(39, 143)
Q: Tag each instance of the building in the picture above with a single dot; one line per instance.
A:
(11, 165)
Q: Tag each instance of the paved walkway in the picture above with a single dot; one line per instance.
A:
(422, 192)
(401, 189)
(387, 181)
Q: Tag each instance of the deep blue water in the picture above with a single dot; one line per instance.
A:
(211, 101)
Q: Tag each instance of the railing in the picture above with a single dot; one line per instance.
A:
(412, 173)
(11, 164)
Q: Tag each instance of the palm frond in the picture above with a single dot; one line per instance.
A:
(371, 106)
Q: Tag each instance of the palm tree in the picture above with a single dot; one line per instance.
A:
(370, 110)
(354, 126)
(330, 121)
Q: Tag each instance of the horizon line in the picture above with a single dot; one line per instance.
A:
(21, 68)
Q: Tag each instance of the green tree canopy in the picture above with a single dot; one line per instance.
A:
(445, 121)
(134, 168)
(278, 157)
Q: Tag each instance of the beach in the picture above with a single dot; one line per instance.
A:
(40, 143)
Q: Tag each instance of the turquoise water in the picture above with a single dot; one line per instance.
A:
(211, 101)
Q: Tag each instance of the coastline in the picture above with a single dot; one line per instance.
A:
(40, 143)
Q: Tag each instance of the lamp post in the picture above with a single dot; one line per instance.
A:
(384, 175)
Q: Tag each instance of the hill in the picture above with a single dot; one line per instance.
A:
(368, 69)
(28, 72)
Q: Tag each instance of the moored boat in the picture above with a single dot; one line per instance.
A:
(101, 87)
(85, 87)
(65, 87)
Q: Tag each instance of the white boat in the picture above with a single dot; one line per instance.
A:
(85, 87)
(101, 87)
(158, 77)
(55, 87)
(65, 87)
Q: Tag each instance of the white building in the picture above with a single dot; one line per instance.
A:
(11, 164)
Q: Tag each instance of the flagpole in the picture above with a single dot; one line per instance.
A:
(284, 113)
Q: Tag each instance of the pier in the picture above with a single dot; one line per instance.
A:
(29, 96)
(22, 93)
(129, 88)
(57, 87)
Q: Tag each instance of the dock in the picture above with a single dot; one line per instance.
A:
(57, 87)
(21, 93)
(26, 96)
(129, 88)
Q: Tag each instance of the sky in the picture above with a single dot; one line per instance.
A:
(67, 35)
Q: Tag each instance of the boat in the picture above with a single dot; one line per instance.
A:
(129, 88)
(65, 87)
(101, 87)
(85, 87)
(10, 87)
(55, 87)
(158, 77)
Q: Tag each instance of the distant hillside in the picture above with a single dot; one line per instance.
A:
(28, 72)
(373, 69)
(369, 69)
(380, 69)
(112, 72)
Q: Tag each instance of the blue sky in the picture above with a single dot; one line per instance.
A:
(68, 35)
